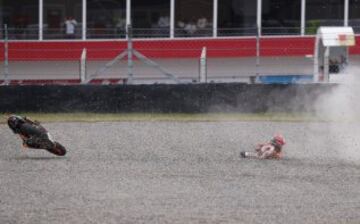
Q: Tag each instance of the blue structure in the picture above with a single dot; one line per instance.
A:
(285, 79)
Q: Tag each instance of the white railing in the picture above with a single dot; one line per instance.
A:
(83, 75)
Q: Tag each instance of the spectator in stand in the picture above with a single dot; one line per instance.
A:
(202, 25)
(180, 28)
(164, 21)
(70, 26)
(121, 27)
(163, 24)
(190, 28)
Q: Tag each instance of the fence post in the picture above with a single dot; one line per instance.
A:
(6, 55)
(203, 66)
(326, 64)
(130, 53)
(83, 78)
(257, 52)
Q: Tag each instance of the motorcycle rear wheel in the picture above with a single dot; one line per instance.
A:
(57, 149)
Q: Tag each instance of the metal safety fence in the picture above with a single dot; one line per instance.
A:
(135, 60)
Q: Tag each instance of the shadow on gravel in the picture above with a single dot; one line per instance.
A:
(21, 158)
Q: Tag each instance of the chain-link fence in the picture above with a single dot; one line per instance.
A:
(160, 60)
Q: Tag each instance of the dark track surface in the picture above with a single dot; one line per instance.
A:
(179, 172)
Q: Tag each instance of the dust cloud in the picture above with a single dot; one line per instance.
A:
(341, 109)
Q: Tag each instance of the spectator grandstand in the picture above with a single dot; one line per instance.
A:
(238, 30)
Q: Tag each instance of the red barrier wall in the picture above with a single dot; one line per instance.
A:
(104, 50)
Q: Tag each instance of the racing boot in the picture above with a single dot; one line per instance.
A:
(243, 154)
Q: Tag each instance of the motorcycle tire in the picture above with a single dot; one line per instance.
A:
(57, 149)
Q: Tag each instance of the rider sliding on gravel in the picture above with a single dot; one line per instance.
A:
(34, 135)
(270, 150)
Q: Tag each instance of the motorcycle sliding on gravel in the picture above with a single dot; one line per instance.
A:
(34, 135)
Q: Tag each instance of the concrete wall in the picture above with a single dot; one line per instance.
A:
(191, 98)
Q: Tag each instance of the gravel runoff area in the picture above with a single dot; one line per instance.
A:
(179, 172)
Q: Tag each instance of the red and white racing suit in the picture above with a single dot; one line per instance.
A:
(268, 151)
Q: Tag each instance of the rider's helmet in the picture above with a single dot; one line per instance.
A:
(14, 122)
(278, 141)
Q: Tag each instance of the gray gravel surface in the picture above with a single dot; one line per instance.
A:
(179, 172)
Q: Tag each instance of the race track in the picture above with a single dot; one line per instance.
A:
(179, 172)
